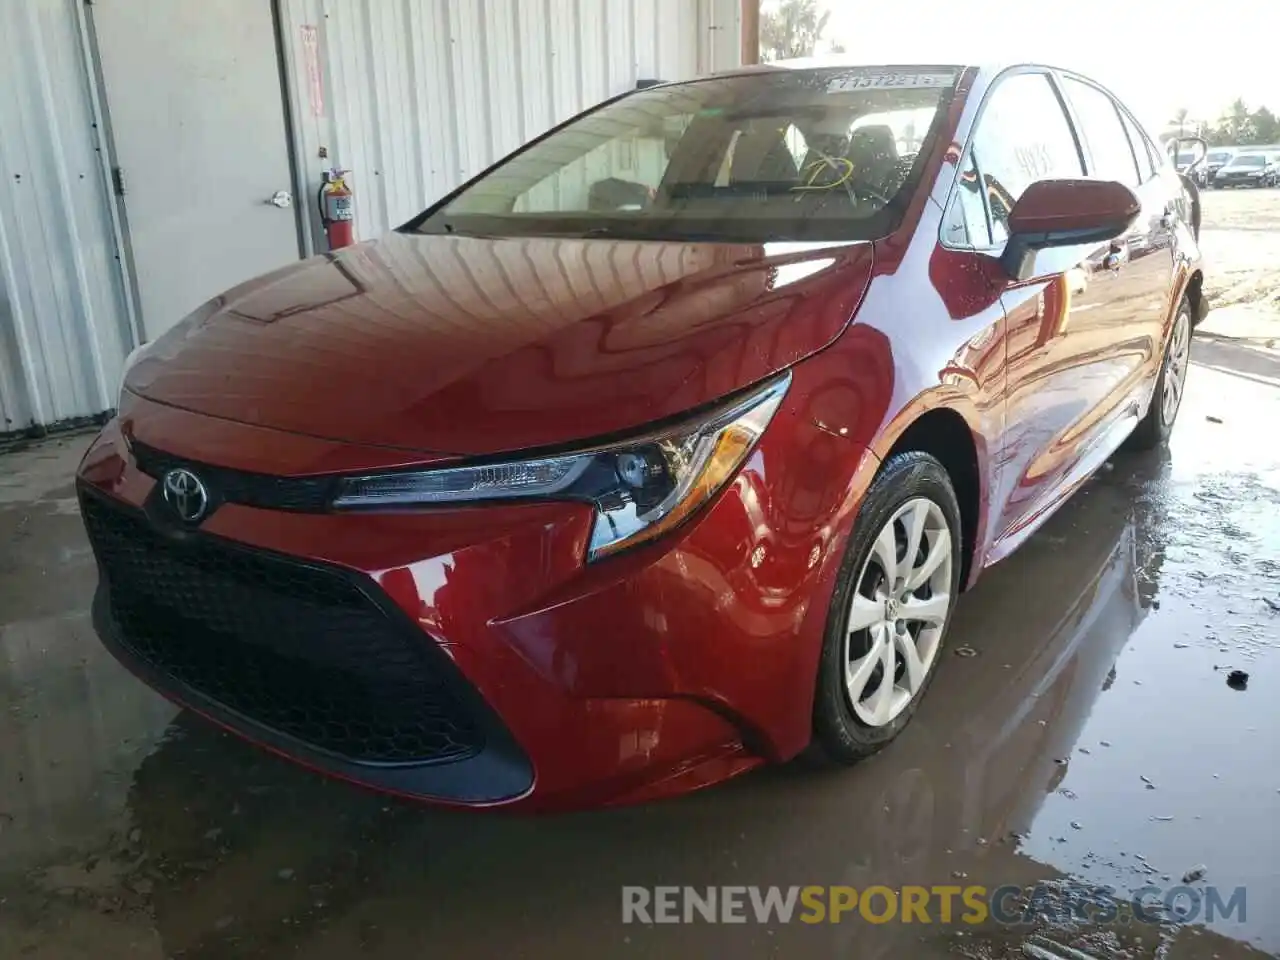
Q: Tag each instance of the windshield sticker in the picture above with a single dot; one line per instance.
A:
(900, 80)
(839, 168)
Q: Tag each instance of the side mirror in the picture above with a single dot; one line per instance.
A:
(1198, 147)
(1065, 213)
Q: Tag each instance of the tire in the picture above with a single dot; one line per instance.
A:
(1156, 426)
(848, 729)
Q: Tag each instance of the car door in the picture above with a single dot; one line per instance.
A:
(1057, 371)
(1141, 285)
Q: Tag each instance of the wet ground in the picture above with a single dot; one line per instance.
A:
(1082, 729)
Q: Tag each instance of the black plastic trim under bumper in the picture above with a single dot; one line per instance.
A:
(499, 772)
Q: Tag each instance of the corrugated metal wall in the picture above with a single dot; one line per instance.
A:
(416, 96)
(63, 322)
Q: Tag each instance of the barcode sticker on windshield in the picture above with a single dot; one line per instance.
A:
(881, 80)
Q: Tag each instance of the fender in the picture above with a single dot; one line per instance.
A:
(1189, 283)
(982, 415)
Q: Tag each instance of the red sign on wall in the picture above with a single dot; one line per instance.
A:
(311, 59)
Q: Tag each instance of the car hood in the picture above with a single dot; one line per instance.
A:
(471, 346)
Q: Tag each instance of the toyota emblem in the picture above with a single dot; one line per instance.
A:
(186, 494)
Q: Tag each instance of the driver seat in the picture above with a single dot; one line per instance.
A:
(873, 150)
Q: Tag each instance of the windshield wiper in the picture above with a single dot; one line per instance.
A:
(662, 232)
(441, 228)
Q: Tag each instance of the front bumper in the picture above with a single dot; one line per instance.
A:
(304, 659)
(483, 663)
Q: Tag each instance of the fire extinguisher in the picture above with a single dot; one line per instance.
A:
(336, 209)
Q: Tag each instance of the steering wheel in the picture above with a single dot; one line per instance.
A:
(849, 179)
(870, 189)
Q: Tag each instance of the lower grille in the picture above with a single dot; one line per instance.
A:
(294, 647)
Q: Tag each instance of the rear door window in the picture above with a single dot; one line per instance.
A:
(1142, 148)
(1022, 136)
(1105, 140)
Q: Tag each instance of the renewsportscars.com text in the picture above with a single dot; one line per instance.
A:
(949, 903)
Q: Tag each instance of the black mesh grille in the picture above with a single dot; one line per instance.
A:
(299, 494)
(297, 648)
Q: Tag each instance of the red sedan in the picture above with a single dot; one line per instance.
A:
(662, 449)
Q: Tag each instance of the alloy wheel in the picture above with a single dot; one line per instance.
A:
(1175, 367)
(898, 612)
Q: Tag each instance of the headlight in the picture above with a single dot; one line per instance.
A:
(640, 488)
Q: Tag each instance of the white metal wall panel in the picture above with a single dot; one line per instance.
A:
(419, 95)
(63, 322)
(414, 96)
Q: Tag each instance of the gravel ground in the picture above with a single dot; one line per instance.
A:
(1241, 241)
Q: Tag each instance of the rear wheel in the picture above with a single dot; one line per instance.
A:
(890, 610)
(1166, 399)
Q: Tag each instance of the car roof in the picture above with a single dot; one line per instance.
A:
(837, 61)
(984, 72)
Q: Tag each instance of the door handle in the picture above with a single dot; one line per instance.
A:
(282, 199)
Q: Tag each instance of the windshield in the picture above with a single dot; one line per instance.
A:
(829, 154)
(1253, 160)
(1186, 159)
(1219, 157)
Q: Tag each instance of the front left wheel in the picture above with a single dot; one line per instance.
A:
(889, 614)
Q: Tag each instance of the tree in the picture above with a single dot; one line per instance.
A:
(1238, 123)
(1266, 128)
(1180, 119)
(791, 30)
(1217, 137)
(1240, 127)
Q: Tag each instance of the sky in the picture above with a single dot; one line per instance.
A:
(1155, 55)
